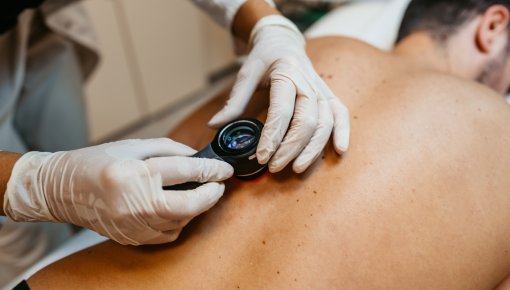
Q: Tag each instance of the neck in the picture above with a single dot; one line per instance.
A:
(419, 49)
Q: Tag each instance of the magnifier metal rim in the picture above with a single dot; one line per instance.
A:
(253, 173)
(244, 122)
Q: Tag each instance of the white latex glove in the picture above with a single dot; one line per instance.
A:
(115, 189)
(298, 97)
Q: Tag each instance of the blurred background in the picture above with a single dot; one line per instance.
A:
(160, 61)
(144, 76)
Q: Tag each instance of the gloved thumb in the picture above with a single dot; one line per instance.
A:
(191, 203)
(178, 169)
(247, 81)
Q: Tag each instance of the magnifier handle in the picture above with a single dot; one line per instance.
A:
(207, 152)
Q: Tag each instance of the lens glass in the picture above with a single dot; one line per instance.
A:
(239, 138)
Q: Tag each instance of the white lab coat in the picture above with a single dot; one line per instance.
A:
(374, 22)
(43, 63)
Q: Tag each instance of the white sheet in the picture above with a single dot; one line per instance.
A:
(375, 22)
(84, 239)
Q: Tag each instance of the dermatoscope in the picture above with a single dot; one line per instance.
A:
(235, 143)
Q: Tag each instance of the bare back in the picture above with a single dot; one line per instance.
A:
(421, 198)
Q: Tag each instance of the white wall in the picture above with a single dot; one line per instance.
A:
(154, 54)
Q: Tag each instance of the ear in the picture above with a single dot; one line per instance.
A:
(493, 24)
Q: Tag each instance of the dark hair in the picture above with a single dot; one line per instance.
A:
(442, 18)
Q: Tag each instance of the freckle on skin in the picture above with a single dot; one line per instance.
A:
(355, 117)
(297, 200)
(278, 272)
(315, 192)
(264, 242)
(330, 76)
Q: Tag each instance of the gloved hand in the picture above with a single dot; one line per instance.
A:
(115, 189)
(297, 93)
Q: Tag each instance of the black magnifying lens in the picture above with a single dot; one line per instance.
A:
(235, 143)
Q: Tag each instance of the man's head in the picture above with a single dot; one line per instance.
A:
(475, 34)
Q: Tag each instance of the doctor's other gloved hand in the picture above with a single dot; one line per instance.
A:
(116, 189)
(303, 111)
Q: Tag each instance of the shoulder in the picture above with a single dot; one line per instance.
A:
(457, 99)
(339, 45)
(336, 40)
(437, 113)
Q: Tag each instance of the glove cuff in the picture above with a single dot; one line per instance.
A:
(24, 198)
(275, 20)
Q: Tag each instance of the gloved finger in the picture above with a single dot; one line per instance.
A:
(302, 127)
(146, 232)
(341, 127)
(319, 138)
(164, 225)
(178, 169)
(247, 81)
(189, 203)
(126, 238)
(281, 106)
(163, 237)
(146, 148)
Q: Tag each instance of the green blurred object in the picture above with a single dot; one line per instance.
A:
(303, 13)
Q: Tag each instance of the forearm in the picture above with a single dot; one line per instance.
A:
(248, 15)
(239, 16)
(7, 161)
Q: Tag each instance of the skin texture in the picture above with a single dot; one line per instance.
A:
(7, 161)
(419, 201)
